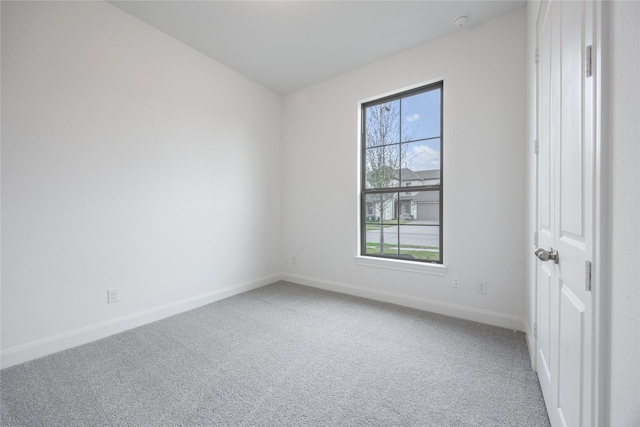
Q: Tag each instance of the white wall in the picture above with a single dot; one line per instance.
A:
(625, 213)
(484, 180)
(129, 161)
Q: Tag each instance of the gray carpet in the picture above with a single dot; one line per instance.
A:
(284, 355)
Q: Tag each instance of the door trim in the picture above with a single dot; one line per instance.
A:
(601, 267)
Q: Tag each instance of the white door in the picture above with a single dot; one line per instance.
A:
(565, 174)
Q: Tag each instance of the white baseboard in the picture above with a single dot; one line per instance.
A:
(23, 353)
(454, 310)
(46, 346)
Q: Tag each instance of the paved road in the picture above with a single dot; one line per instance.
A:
(409, 235)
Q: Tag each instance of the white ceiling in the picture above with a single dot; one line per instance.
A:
(288, 45)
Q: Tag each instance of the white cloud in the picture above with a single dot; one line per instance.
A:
(423, 157)
(413, 117)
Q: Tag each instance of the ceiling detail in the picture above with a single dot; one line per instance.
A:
(288, 45)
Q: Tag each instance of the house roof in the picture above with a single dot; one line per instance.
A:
(429, 174)
(409, 175)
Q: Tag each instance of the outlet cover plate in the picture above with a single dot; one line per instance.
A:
(113, 295)
(482, 287)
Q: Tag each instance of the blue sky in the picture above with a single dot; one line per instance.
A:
(420, 122)
(421, 118)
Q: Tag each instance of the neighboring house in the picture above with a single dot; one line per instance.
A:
(421, 206)
(428, 177)
(414, 205)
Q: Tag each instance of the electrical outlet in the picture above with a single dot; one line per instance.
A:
(456, 282)
(294, 261)
(113, 295)
(482, 287)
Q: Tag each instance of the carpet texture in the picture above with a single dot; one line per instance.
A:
(284, 355)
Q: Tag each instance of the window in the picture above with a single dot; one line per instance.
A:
(402, 147)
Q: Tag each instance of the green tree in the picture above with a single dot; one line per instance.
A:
(384, 157)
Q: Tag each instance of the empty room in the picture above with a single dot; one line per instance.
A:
(338, 213)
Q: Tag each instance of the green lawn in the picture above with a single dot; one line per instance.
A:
(405, 251)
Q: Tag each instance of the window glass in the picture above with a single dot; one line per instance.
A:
(421, 116)
(402, 147)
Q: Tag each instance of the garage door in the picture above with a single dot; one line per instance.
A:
(429, 212)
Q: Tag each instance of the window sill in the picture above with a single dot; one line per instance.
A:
(392, 264)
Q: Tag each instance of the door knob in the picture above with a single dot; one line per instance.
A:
(551, 254)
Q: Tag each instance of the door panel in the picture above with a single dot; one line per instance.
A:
(572, 312)
(565, 210)
(544, 292)
(571, 143)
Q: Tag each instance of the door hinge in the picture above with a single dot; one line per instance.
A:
(588, 61)
(536, 56)
(587, 275)
(536, 147)
(535, 329)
